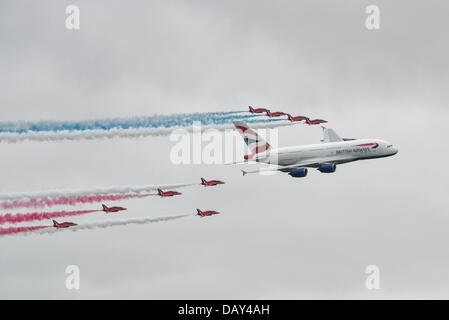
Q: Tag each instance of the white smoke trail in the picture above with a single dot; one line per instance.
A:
(10, 137)
(110, 223)
(84, 192)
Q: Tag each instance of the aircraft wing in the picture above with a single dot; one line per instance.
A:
(311, 163)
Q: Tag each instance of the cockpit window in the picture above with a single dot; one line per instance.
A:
(389, 146)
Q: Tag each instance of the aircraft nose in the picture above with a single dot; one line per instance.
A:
(394, 151)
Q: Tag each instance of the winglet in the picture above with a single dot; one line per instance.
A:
(244, 172)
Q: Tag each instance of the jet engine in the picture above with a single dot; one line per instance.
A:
(327, 168)
(298, 172)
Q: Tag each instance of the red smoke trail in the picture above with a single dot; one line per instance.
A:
(24, 217)
(70, 201)
(5, 231)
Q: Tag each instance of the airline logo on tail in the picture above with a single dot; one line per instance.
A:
(255, 143)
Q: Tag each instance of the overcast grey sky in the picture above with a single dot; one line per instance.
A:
(277, 237)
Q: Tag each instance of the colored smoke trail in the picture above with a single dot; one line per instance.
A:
(113, 190)
(91, 225)
(68, 201)
(36, 216)
(156, 121)
(13, 137)
(13, 230)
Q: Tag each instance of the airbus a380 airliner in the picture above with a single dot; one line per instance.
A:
(324, 156)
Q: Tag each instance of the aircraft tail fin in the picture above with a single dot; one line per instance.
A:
(329, 135)
(105, 208)
(256, 144)
(55, 224)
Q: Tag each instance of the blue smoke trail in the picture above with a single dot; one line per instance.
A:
(157, 121)
(207, 123)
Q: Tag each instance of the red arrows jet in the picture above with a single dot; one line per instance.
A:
(164, 194)
(316, 121)
(112, 209)
(207, 213)
(275, 114)
(210, 183)
(258, 110)
(295, 119)
(63, 224)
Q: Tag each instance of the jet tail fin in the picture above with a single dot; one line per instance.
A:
(55, 224)
(329, 135)
(105, 207)
(256, 144)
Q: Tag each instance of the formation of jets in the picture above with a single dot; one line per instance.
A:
(325, 156)
(160, 193)
(291, 118)
(295, 160)
(64, 225)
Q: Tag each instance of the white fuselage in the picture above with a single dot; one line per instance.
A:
(330, 152)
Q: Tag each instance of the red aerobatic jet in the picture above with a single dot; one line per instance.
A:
(209, 183)
(258, 110)
(298, 118)
(63, 224)
(315, 121)
(207, 213)
(275, 114)
(112, 209)
(164, 194)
